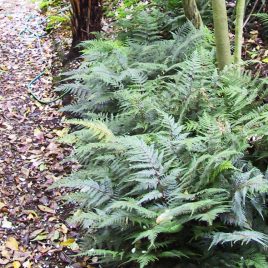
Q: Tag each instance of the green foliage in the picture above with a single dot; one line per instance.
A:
(45, 4)
(170, 151)
(243, 236)
(57, 12)
(263, 18)
(123, 9)
(256, 260)
(55, 21)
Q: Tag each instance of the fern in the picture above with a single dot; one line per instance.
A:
(172, 152)
(263, 18)
(240, 236)
(98, 128)
(257, 260)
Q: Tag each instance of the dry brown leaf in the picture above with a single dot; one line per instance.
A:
(52, 147)
(21, 256)
(25, 172)
(5, 254)
(2, 205)
(64, 229)
(46, 209)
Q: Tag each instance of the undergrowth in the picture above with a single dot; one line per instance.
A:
(172, 152)
(57, 13)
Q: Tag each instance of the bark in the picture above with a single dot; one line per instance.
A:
(86, 19)
(223, 48)
(240, 12)
(192, 13)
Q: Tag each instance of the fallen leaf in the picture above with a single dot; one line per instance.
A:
(5, 254)
(25, 172)
(3, 262)
(6, 224)
(52, 147)
(27, 264)
(21, 256)
(61, 133)
(74, 246)
(3, 67)
(52, 219)
(64, 229)
(38, 134)
(36, 233)
(12, 243)
(16, 264)
(31, 214)
(46, 209)
(2, 205)
(12, 137)
(40, 237)
(68, 242)
(42, 167)
(55, 236)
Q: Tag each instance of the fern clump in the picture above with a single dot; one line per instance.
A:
(171, 153)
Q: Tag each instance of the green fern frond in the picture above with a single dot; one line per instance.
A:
(173, 254)
(256, 260)
(98, 128)
(102, 253)
(146, 259)
(153, 233)
(212, 214)
(105, 46)
(188, 209)
(131, 205)
(244, 237)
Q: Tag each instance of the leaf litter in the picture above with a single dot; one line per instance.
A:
(33, 230)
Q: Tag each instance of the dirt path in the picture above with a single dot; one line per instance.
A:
(32, 232)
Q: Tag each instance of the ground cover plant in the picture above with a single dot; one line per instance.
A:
(57, 13)
(172, 152)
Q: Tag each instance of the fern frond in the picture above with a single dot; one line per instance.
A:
(98, 128)
(188, 209)
(244, 237)
(131, 205)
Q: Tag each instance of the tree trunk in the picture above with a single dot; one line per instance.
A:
(223, 48)
(86, 19)
(192, 13)
(240, 12)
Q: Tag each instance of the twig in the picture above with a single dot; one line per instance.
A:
(250, 14)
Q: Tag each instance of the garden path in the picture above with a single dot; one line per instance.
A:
(32, 228)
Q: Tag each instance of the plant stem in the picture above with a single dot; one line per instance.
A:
(223, 47)
(192, 13)
(240, 11)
